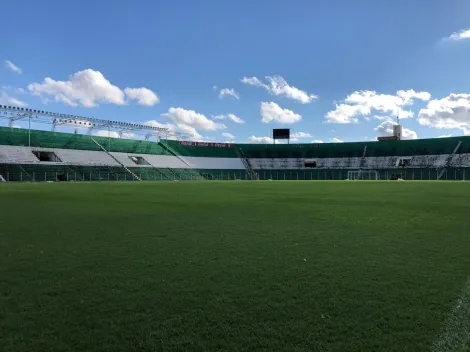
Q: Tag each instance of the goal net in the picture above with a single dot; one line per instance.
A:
(363, 175)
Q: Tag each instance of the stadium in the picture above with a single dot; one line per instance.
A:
(289, 247)
(34, 155)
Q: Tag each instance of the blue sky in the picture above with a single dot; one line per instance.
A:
(329, 69)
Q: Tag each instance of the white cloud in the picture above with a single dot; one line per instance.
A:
(175, 128)
(363, 103)
(89, 88)
(301, 135)
(231, 117)
(381, 118)
(155, 123)
(11, 66)
(317, 141)
(445, 136)
(253, 81)
(230, 92)
(386, 129)
(187, 122)
(410, 94)
(13, 89)
(228, 135)
(463, 34)
(191, 118)
(336, 140)
(278, 86)
(112, 134)
(5, 99)
(271, 112)
(144, 96)
(450, 112)
(261, 140)
(203, 139)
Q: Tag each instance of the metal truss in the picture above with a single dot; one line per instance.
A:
(14, 113)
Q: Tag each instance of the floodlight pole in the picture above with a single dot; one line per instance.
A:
(29, 130)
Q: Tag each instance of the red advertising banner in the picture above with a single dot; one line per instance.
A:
(206, 144)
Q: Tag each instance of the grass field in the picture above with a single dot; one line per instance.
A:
(226, 266)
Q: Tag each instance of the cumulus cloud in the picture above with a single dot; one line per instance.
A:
(5, 99)
(231, 117)
(336, 140)
(445, 136)
(192, 118)
(271, 112)
(175, 128)
(278, 86)
(204, 139)
(363, 103)
(187, 122)
(301, 135)
(89, 88)
(317, 141)
(450, 112)
(228, 135)
(112, 134)
(463, 34)
(144, 96)
(253, 81)
(228, 92)
(261, 140)
(11, 66)
(386, 129)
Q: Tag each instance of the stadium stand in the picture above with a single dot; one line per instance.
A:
(16, 155)
(54, 156)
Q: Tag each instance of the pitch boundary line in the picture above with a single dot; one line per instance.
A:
(455, 335)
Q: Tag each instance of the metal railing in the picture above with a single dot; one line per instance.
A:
(450, 174)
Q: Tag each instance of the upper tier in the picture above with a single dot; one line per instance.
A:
(47, 139)
(329, 150)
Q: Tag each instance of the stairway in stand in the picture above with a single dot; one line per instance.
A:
(252, 175)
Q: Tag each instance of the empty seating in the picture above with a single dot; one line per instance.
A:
(191, 161)
(16, 155)
(85, 157)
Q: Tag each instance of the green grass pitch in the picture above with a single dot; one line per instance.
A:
(231, 266)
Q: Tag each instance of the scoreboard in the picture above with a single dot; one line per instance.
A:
(281, 133)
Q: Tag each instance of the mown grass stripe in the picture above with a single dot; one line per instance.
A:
(455, 335)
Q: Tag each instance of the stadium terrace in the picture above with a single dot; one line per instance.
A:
(36, 155)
